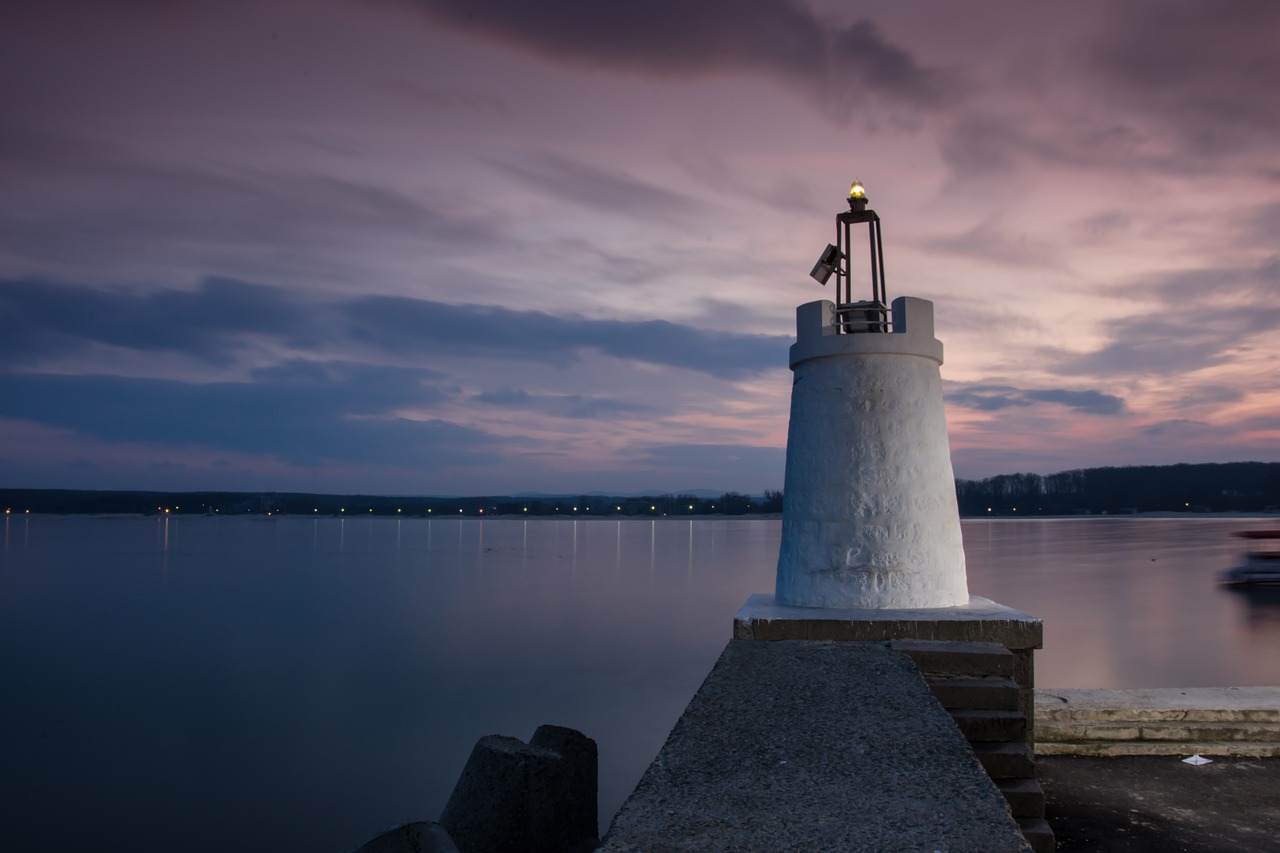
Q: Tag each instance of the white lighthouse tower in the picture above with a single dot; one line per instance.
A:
(870, 518)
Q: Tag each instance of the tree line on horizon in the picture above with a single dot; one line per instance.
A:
(71, 501)
(1207, 487)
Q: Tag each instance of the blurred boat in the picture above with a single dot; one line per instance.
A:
(1261, 565)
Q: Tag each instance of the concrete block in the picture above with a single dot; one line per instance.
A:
(1024, 796)
(417, 837)
(957, 659)
(983, 725)
(575, 816)
(514, 797)
(1006, 760)
(993, 694)
(1038, 834)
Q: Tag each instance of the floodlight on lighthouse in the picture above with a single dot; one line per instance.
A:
(826, 265)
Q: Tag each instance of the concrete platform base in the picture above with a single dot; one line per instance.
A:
(981, 620)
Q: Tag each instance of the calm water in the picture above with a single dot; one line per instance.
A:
(262, 684)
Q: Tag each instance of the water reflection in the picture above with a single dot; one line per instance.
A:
(1260, 608)
(286, 665)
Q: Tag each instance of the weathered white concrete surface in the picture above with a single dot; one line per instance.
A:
(870, 519)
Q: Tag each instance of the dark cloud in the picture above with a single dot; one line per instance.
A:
(40, 318)
(1210, 395)
(127, 205)
(300, 414)
(1207, 70)
(992, 398)
(1178, 428)
(561, 405)
(613, 192)
(420, 327)
(222, 317)
(840, 66)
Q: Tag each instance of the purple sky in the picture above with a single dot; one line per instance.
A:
(421, 247)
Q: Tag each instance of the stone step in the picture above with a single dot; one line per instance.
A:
(1183, 731)
(1005, 760)
(1024, 796)
(992, 694)
(935, 657)
(1167, 704)
(1105, 748)
(984, 725)
(1038, 834)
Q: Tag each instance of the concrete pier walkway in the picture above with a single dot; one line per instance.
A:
(807, 746)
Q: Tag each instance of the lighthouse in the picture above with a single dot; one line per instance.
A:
(870, 519)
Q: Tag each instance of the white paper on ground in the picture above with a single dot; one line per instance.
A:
(1197, 760)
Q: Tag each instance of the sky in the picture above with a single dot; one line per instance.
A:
(443, 247)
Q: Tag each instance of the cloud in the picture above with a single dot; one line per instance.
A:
(559, 405)
(127, 207)
(300, 414)
(447, 100)
(837, 65)
(1209, 395)
(993, 398)
(988, 243)
(613, 192)
(1178, 428)
(218, 320)
(1207, 71)
(39, 318)
(420, 327)
(1203, 317)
